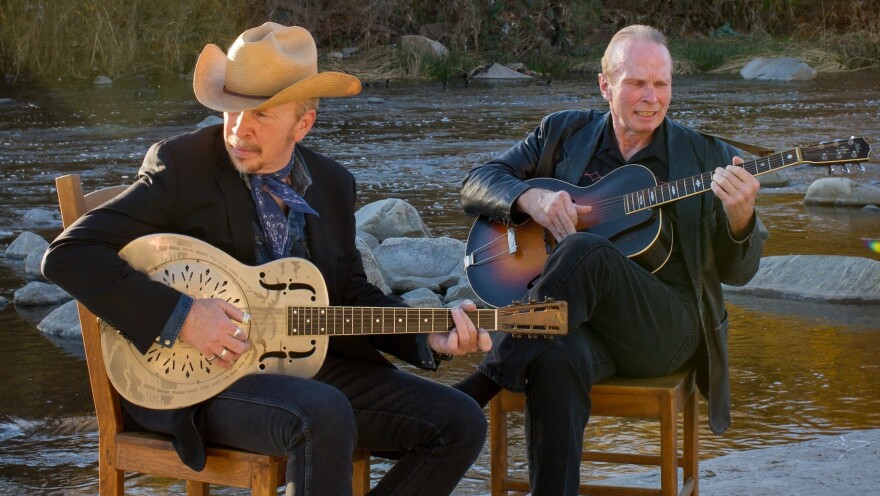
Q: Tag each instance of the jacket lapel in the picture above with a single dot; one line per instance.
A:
(579, 149)
(685, 161)
(239, 207)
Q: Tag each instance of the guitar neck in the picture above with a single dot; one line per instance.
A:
(694, 185)
(347, 321)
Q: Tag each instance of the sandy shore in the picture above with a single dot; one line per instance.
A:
(841, 465)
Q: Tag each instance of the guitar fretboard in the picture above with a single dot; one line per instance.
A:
(342, 321)
(837, 152)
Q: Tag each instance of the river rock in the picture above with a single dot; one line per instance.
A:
(462, 291)
(391, 218)
(102, 81)
(38, 293)
(24, 244)
(413, 263)
(42, 217)
(841, 191)
(422, 298)
(62, 322)
(371, 267)
(211, 120)
(774, 179)
(425, 47)
(871, 209)
(825, 278)
(32, 263)
(368, 238)
(778, 68)
(498, 71)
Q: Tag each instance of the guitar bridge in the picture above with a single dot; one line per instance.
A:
(511, 241)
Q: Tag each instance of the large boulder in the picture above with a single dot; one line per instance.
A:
(424, 47)
(33, 265)
(42, 217)
(462, 291)
(778, 68)
(371, 267)
(24, 244)
(825, 278)
(498, 71)
(38, 293)
(391, 218)
(841, 191)
(774, 179)
(413, 263)
(62, 322)
(422, 298)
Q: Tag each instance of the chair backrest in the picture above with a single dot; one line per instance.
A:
(74, 204)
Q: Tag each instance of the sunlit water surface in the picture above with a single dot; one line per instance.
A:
(799, 369)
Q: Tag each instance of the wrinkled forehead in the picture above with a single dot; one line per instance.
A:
(634, 56)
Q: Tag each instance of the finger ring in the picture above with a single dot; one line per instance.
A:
(222, 355)
(238, 332)
(211, 359)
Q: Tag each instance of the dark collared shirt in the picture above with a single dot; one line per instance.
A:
(607, 157)
(655, 157)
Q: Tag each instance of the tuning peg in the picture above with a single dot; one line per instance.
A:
(548, 299)
(830, 170)
(845, 168)
(861, 168)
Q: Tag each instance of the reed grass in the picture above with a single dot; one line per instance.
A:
(118, 38)
(84, 38)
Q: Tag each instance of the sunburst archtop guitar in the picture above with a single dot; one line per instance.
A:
(290, 321)
(503, 261)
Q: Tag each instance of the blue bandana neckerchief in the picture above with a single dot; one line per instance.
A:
(276, 226)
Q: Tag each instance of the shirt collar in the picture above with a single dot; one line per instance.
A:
(300, 177)
(656, 148)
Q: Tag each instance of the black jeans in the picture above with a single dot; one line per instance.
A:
(434, 431)
(622, 319)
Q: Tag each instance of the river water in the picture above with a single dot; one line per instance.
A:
(799, 370)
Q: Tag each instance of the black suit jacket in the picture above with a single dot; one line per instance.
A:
(187, 185)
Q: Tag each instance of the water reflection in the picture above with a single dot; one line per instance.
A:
(799, 369)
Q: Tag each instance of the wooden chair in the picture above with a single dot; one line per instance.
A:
(120, 451)
(661, 398)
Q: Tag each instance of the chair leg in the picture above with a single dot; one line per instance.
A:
(265, 479)
(196, 488)
(668, 449)
(497, 446)
(691, 444)
(111, 482)
(360, 474)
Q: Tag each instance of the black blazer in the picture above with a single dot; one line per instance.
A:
(187, 185)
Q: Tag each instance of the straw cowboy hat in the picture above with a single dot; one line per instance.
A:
(266, 66)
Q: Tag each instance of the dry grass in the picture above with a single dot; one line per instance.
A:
(83, 38)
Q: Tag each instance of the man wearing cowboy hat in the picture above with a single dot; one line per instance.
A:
(251, 189)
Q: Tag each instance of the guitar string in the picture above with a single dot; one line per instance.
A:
(615, 204)
(306, 321)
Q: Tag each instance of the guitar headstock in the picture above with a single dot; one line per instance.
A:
(837, 152)
(548, 318)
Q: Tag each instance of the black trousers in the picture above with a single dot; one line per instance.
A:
(622, 320)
